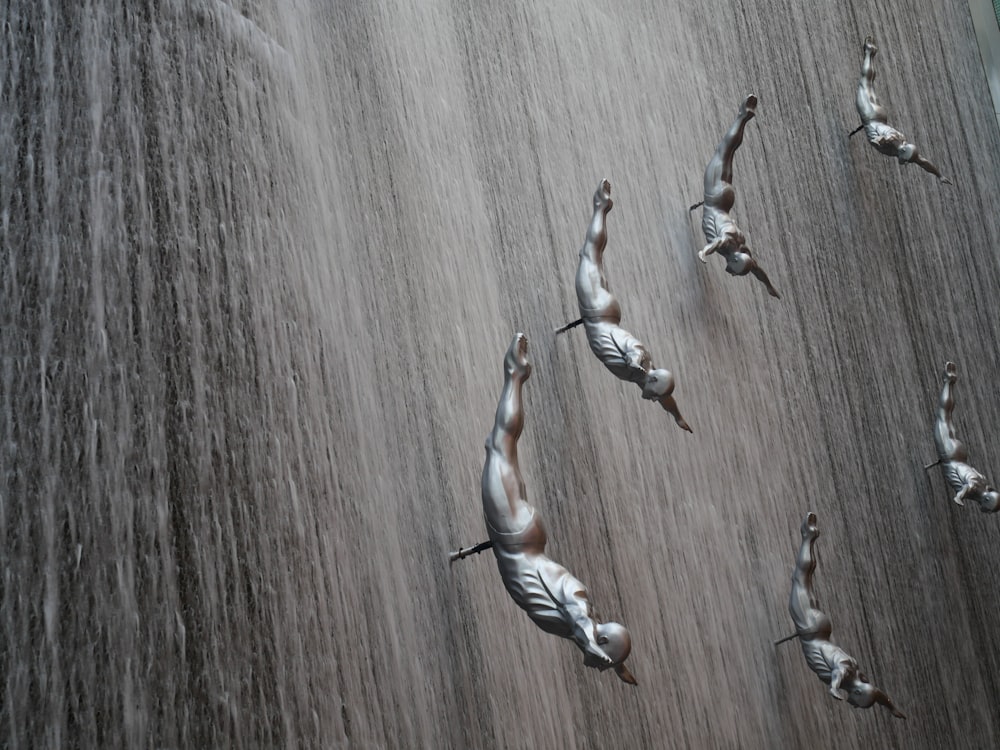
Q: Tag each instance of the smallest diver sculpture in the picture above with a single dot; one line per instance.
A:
(962, 478)
(600, 314)
(554, 599)
(721, 232)
(875, 120)
(813, 628)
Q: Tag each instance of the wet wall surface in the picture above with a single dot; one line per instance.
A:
(259, 264)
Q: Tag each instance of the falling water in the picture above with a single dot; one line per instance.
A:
(258, 266)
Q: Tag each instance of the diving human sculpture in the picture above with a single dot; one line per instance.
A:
(813, 628)
(600, 314)
(965, 481)
(553, 598)
(721, 233)
(875, 120)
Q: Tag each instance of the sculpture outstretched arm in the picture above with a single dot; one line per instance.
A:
(670, 405)
(960, 497)
(928, 166)
(577, 614)
(762, 277)
(593, 654)
(884, 700)
(841, 673)
(712, 247)
(632, 357)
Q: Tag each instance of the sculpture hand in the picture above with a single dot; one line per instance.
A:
(960, 497)
(635, 361)
(593, 656)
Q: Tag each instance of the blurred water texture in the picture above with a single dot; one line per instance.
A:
(259, 263)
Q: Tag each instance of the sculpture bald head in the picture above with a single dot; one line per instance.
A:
(615, 641)
(658, 386)
(990, 502)
(740, 263)
(862, 694)
(659, 383)
(906, 152)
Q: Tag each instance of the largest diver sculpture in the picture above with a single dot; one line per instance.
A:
(553, 598)
(965, 481)
(600, 314)
(813, 628)
(875, 120)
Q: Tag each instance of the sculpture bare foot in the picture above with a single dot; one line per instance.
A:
(870, 47)
(809, 528)
(516, 363)
(602, 197)
(950, 373)
(749, 107)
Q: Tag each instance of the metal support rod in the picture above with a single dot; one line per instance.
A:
(466, 551)
(574, 324)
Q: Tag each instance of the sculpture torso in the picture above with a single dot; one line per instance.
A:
(885, 138)
(959, 474)
(824, 656)
(612, 344)
(715, 218)
(527, 572)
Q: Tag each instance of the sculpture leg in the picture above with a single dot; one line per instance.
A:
(502, 486)
(868, 107)
(809, 620)
(720, 169)
(590, 272)
(949, 447)
(593, 295)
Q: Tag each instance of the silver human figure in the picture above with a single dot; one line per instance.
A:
(721, 232)
(875, 120)
(813, 628)
(600, 313)
(964, 480)
(554, 599)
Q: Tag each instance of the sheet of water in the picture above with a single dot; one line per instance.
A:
(259, 263)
